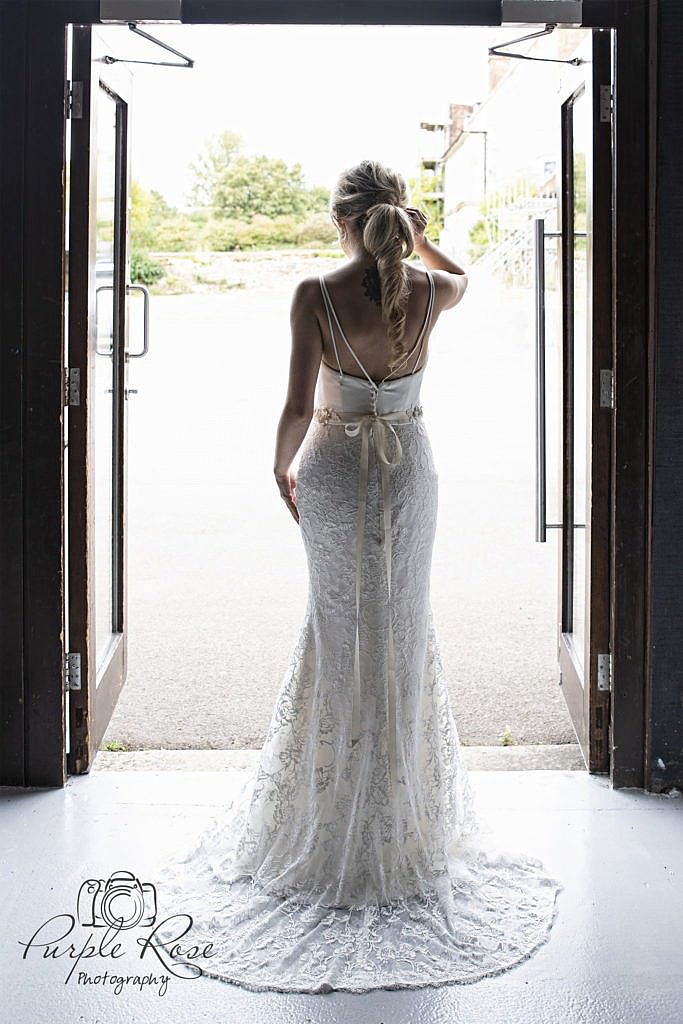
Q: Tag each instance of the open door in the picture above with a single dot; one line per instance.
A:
(585, 237)
(96, 377)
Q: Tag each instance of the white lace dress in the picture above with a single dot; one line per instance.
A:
(350, 861)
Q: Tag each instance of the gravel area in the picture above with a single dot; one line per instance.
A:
(209, 272)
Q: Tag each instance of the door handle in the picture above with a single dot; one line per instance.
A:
(145, 322)
(539, 323)
(539, 237)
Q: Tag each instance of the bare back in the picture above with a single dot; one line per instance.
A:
(360, 317)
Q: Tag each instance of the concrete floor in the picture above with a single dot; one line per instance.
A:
(614, 954)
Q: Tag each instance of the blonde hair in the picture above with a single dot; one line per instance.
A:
(375, 197)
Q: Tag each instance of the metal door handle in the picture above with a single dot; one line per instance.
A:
(539, 237)
(539, 301)
(145, 325)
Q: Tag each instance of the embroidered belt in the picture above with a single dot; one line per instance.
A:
(378, 426)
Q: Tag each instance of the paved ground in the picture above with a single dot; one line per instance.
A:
(539, 756)
(217, 574)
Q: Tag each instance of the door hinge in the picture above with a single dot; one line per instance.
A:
(72, 385)
(606, 389)
(72, 672)
(73, 101)
(604, 671)
(606, 104)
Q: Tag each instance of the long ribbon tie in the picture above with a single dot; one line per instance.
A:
(379, 426)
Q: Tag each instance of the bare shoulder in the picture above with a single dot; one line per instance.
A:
(417, 280)
(306, 296)
(306, 290)
(450, 288)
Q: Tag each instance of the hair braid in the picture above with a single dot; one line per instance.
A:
(375, 198)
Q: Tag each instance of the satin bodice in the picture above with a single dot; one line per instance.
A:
(350, 394)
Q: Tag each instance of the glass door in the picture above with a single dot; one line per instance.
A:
(97, 407)
(585, 247)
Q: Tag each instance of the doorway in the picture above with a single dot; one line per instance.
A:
(201, 647)
(623, 524)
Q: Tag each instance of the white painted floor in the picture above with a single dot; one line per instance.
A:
(615, 953)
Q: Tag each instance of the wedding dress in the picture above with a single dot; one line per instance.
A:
(350, 859)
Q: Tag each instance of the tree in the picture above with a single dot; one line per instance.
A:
(148, 210)
(211, 164)
(240, 187)
(318, 199)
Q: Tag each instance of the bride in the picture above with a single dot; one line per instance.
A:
(352, 859)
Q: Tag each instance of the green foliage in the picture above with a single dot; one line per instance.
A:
(259, 186)
(143, 269)
(149, 210)
(580, 188)
(141, 209)
(296, 216)
(497, 209)
(506, 737)
(218, 154)
(226, 235)
(242, 187)
(316, 231)
(114, 745)
(479, 240)
(318, 201)
(421, 195)
(263, 232)
(176, 234)
(223, 235)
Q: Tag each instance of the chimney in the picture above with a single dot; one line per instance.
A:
(457, 115)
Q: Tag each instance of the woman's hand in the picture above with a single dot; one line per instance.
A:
(286, 483)
(419, 221)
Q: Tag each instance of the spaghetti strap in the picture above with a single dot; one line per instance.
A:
(330, 308)
(331, 312)
(423, 332)
(428, 319)
(327, 302)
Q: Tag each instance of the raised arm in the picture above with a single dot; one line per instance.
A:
(304, 364)
(451, 279)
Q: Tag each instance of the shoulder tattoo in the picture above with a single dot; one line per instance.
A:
(371, 285)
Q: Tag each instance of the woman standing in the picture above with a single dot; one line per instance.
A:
(351, 861)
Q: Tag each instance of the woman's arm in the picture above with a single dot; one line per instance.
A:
(451, 278)
(306, 355)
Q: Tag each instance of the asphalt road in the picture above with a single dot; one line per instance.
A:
(217, 572)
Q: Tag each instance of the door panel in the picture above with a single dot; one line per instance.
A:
(586, 230)
(97, 429)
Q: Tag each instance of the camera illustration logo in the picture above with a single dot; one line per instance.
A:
(121, 902)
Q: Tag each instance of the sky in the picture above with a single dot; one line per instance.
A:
(321, 96)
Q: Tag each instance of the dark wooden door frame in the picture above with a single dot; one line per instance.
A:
(91, 707)
(32, 71)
